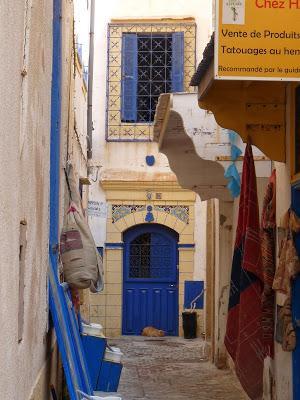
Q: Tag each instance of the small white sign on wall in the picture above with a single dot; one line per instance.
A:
(97, 209)
(234, 12)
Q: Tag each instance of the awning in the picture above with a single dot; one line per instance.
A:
(256, 110)
(198, 150)
(177, 119)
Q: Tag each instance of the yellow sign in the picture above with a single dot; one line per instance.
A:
(257, 40)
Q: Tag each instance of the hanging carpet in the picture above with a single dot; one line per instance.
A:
(268, 229)
(244, 339)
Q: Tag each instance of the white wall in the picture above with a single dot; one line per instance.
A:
(210, 140)
(283, 360)
(125, 160)
(200, 10)
(81, 27)
(77, 142)
(200, 240)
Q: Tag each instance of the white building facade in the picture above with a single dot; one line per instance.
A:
(134, 186)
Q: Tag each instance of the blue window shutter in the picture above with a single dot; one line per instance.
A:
(129, 77)
(177, 61)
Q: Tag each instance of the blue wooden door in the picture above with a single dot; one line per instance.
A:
(150, 292)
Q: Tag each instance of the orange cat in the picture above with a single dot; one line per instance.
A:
(152, 332)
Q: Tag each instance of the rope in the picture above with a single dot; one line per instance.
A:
(193, 302)
(68, 183)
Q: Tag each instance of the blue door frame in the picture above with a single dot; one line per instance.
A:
(150, 279)
(296, 301)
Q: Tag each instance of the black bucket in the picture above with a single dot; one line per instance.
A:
(189, 324)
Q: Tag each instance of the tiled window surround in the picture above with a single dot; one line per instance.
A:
(116, 130)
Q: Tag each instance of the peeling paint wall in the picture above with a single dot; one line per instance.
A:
(211, 141)
(25, 91)
(200, 239)
(223, 260)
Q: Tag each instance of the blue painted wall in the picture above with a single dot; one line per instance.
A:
(191, 290)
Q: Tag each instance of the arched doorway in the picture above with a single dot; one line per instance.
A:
(150, 279)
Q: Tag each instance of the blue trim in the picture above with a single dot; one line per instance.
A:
(100, 251)
(55, 125)
(149, 217)
(129, 77)
(54, 296)
(150, 160)
(114, 245)
(186, 245)
(62, 311)
(178, 62)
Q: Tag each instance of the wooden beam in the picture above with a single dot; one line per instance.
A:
(256, 112)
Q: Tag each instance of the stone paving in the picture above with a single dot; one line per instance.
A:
(172, 369)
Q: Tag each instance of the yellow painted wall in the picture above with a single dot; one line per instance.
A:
(106, 308)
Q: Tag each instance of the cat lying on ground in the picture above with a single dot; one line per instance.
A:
(152, 332)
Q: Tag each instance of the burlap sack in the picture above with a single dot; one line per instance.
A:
(82, 264)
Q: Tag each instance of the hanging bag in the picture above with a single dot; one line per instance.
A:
(82, 264)
(288, 269)
(289, 264)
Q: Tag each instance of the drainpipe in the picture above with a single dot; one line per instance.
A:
(90, 84)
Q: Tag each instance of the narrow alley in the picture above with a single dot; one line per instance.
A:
(172, 369)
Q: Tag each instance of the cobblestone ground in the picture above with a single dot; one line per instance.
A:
(172, 369)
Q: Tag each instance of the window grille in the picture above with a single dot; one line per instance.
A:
(140, 257)
(150, 257)
(132, 92)
(154, 73)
